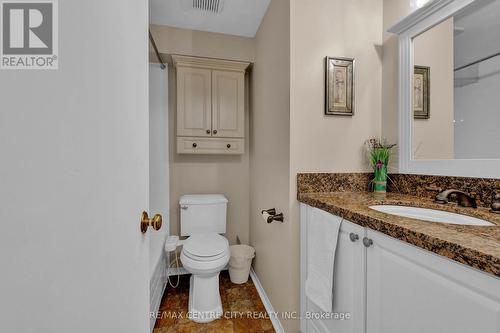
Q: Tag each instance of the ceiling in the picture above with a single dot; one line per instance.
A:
(236, 17)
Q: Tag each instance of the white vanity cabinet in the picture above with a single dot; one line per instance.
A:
(412, 290)
(210, 105)
(390, 286)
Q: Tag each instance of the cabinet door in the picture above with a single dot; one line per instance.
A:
(413, 291)
(228, 104)
(348, 284)
(194, 102)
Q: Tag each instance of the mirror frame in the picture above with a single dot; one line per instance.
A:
(419, 21)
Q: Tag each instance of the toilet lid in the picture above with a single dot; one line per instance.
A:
(206, 245)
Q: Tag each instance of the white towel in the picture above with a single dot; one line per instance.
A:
(322, 235)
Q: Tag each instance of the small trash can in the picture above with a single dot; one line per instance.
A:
(240, 262)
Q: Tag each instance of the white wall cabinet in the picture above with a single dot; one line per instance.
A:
(210, 105)
(391, 286)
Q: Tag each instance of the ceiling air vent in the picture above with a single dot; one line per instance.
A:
(213, 6)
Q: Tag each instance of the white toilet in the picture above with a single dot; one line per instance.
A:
(205, 253)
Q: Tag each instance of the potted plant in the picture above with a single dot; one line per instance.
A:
(379, 152)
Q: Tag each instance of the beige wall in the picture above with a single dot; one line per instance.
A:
(433, 138)
(290, 134)
(203, 44)
(331, 143)
(269, 158)
(201, 174)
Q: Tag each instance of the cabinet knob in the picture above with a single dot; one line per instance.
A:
(354, 237)
(194, 145)
(367, 242)
(208, 131)
(228, 145)
(214, 131)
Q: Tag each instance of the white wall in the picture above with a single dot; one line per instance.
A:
(73, 177)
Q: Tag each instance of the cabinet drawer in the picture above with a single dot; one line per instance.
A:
(192, 145)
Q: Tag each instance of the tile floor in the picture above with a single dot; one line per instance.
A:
(243, 310)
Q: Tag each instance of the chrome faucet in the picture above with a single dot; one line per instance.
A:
(463, 199)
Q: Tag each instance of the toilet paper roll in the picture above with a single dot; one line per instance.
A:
(265, 216)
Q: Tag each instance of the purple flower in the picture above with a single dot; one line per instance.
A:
(379, 164)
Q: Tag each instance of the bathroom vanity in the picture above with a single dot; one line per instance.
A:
(410, 273)
(395, 274)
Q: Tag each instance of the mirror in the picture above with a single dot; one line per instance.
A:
(456, 86)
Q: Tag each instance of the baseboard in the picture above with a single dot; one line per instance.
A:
(267, 304)
(157, 285)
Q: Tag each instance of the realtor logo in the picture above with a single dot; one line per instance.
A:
(28, 34)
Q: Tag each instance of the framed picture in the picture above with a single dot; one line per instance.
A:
(339, 82)
(421, 92)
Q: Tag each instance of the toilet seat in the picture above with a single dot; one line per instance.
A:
(205, 258)
(206, 247)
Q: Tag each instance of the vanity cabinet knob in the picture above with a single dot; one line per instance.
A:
(495, 203)
(354, 237)
(214, 131)
(195, 145)
(228, 145)
(367, 242)
(208, 131)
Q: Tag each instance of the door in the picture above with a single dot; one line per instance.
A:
(413, 291)
(74, 178)
(194, 101)
(228, 104)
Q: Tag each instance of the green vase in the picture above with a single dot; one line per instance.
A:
(380, 179)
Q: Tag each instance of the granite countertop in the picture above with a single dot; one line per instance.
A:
(476, 246)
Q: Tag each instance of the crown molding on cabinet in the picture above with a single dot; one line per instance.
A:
(209, 63)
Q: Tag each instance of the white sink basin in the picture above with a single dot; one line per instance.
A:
(431, 215)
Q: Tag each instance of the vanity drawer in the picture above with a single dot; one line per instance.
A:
(193, 145)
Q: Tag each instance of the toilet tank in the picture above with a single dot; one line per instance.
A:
(202, 213)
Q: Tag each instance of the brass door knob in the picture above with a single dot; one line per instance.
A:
(208, 131)
(155, 222)
(215, 131)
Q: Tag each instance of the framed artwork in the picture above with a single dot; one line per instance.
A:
(421, 92)
(339, 90)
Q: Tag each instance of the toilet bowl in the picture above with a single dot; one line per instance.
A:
(204, 255)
